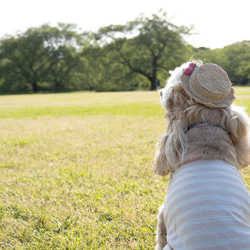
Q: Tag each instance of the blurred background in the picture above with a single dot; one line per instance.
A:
(63, 46)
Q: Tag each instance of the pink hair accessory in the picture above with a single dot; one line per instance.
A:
(190, 69)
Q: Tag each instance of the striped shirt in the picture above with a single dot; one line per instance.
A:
(207, 207)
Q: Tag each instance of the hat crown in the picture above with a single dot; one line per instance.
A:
(210, 85)
(211, 81)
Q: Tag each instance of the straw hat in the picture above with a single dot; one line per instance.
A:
(208, 84)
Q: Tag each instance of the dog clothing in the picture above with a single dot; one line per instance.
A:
(207, 207)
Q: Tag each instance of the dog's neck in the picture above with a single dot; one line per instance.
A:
(195, 159)
(205, 124)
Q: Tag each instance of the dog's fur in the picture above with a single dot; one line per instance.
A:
(179, 146)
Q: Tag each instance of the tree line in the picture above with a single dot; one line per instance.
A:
(117, 57)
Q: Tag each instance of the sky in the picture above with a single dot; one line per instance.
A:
(217, 23)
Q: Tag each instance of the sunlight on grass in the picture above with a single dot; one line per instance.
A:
(76, 170)
(86, 178)
(140, 108)
(78, 99)
(80, 104)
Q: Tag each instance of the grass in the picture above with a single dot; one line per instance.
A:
(80, 104)
(76, 170)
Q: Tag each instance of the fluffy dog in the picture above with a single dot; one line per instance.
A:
(205, 144)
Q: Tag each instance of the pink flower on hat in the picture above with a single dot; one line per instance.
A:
(190, 69)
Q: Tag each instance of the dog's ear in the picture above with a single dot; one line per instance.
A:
(238, 126)
(170, 150)
(238, 123)
(161, 162)
(176, 100)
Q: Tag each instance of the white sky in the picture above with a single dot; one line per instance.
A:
(218, 22)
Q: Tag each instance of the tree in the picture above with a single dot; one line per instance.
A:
(62, 44)
(25, 58)
(39, 54)
(146, 45)
(237, 62)
(102, 72)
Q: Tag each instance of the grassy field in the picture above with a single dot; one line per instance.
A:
(76, 170)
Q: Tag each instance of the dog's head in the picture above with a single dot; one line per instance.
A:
(175, 101)
(193, 94)
(206, 84)
(174, 98)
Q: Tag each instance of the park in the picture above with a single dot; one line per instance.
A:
(77, 169)
(79, 121)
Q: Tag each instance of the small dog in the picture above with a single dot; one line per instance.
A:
(206, 143)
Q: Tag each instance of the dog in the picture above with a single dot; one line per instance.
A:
(206, 142)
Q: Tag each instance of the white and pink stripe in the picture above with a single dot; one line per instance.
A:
(207, 207)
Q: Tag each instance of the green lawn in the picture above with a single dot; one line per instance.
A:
(76, 170)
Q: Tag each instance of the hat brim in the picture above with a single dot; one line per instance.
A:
(227, 101)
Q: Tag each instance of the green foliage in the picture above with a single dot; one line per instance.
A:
(132, 56)
(102, 72)
(147, 45)
(44, 54)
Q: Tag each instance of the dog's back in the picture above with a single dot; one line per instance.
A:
(207, 207)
